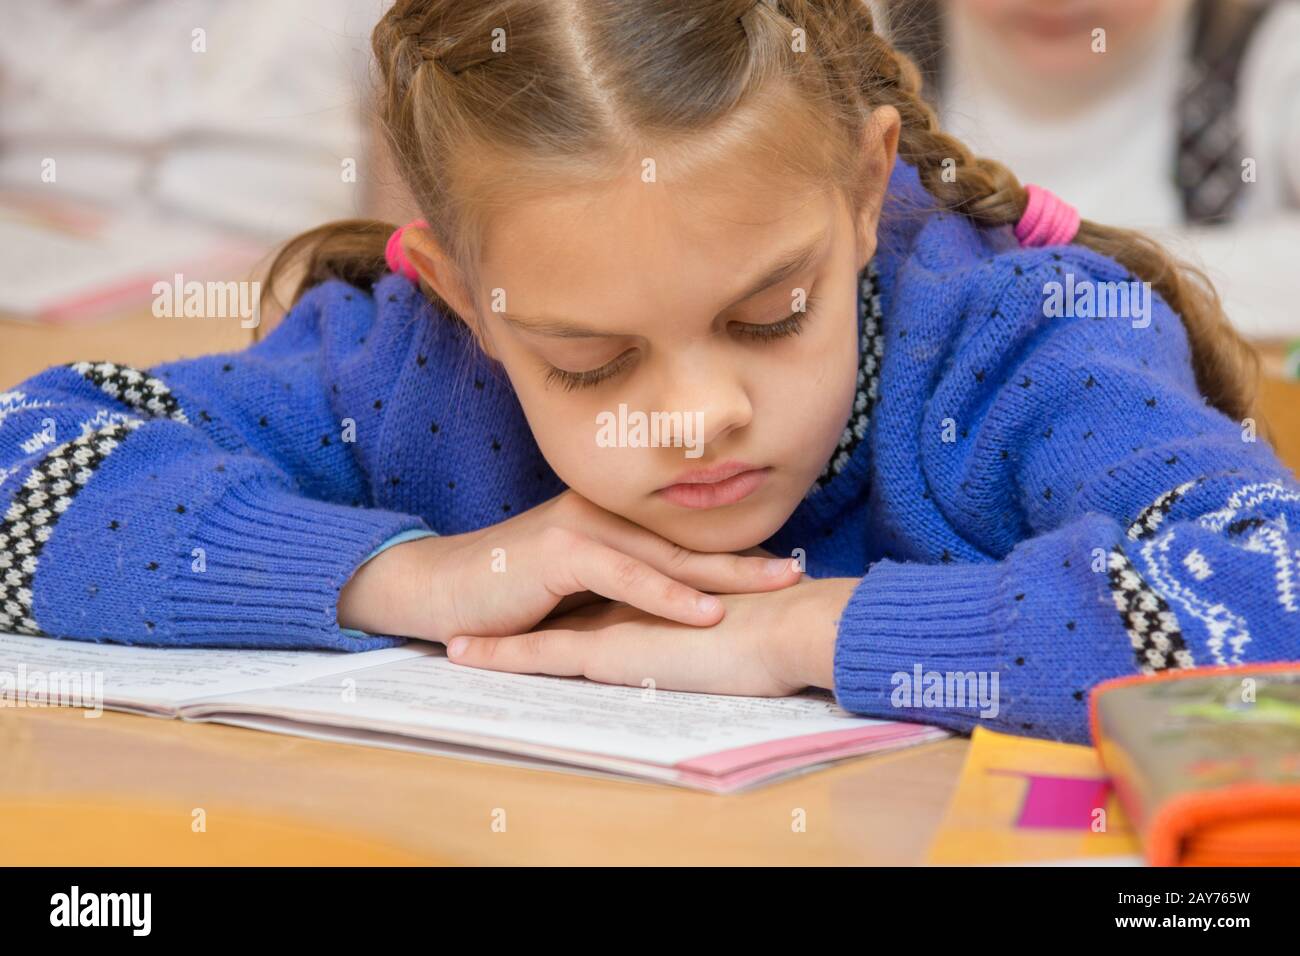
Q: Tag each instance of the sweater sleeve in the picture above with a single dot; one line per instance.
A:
(216, 501)
(1119, 524)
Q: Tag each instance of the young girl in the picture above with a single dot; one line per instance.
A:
(979, 448)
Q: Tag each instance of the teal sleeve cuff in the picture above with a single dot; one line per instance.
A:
(410, 534)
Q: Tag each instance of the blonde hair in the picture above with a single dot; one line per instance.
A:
(584, 86)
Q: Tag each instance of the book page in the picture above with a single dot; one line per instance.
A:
(167, 677)
(418, 745)
(431, 697)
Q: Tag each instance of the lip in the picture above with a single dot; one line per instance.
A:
(722, 484)
(1049, 25)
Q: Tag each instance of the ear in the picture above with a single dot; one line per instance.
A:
(880, 150)
(437, 271)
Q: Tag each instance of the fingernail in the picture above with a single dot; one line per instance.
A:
(457, 646)
(777, 567)
(707, 604)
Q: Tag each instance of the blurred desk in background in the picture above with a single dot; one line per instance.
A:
(142, 340)
(138, 339)
(1279, 401)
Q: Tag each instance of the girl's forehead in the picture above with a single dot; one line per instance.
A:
(622, 277)
(579, 234)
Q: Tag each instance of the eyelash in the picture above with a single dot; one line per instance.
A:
(792, 324)
(570, 381)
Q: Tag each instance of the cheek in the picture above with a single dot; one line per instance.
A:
(564, 426)
(1134, 18)
(994, 13)
(804, 403)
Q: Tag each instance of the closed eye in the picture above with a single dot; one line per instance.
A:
(792, 324)
(589, 378)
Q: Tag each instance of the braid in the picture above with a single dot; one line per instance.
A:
(1225, 365)
(983, 189)
(584, 82)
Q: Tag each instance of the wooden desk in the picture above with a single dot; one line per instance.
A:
(143, 340)
(121, 789)
(136, 339)
(1280, 402)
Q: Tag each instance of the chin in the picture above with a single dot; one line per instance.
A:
(1057, 62)
(729, 529)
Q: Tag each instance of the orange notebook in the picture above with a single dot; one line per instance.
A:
(1206, 762)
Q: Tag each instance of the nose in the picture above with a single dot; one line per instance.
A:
(707, 385)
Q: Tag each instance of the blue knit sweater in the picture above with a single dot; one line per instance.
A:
(1039, 499)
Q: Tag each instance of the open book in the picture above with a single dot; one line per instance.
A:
(413, 698)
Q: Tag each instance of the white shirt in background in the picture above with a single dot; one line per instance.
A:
(1111, 156)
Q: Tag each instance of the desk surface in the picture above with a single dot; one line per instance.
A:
(121, 789)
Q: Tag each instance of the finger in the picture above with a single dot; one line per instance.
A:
(584, 564)
(649, 657)
(721, 572)
(593, 617)
(574, 602)
(559, 653)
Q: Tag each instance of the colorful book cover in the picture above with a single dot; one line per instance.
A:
(1206, 762)
(1025, 801)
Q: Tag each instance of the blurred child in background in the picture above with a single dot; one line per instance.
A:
(1178, 117)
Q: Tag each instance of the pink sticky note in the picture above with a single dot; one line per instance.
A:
(1059, 803)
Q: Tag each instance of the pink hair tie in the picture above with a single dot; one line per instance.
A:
(395, 255)
(1048, 219)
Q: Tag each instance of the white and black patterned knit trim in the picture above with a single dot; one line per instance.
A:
(133, 387)
(1152, 626)
(1154, 514)
(870, 348)
(41, 500)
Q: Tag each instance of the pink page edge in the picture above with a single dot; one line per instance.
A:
(729, 761)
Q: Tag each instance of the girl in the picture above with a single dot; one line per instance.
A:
(739, 216)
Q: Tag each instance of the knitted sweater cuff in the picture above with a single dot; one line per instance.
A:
(906, 622)
(273, 563)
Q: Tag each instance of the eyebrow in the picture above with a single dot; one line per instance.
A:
(788, 264)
